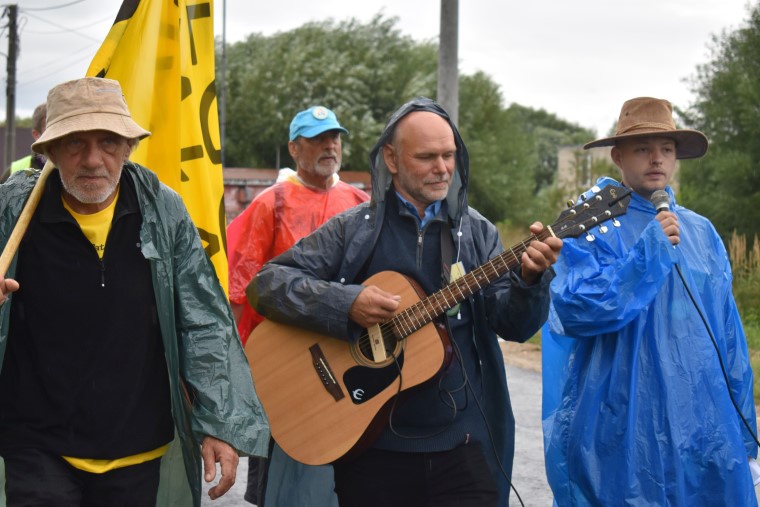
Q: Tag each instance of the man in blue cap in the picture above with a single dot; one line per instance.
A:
(315, 146)
(292, 208)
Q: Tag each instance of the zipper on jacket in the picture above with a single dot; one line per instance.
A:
(102, 272)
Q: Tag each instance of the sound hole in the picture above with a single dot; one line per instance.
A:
(364, 355)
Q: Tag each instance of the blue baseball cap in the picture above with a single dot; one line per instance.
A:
(313, 121)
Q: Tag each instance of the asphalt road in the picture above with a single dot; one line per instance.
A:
(529, 477)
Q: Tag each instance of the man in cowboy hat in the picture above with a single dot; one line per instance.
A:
(648, 396)
(118, 336)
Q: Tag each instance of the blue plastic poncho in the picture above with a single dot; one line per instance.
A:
(636, 410)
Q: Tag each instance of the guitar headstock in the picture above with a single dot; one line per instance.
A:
(610, 202)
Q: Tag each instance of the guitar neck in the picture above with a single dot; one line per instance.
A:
(606, 204)
(426, 310)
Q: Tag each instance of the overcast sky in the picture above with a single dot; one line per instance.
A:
(577, 59)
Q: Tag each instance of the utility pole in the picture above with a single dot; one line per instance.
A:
(448, 59)
(223, 85)
(10, 90)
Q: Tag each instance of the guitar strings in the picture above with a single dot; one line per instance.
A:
(414, 315)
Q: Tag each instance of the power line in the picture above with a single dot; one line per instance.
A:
(107, 18)
(56, 71)
(51, 70)
(66, 29)
(53, 7)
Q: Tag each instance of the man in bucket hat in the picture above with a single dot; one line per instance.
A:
(292, 208)
(648, 390)
(119, 351)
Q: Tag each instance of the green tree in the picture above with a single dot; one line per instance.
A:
(547, 133)
(725, 184)
(501, 160)
(361, 71)
(364, 72)
(20, 122)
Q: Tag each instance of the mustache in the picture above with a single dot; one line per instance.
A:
(93, 173)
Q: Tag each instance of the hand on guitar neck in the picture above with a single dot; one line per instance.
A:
(539, 256)
(375, 306)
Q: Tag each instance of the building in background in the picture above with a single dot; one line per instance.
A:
(23, 144)
(578, 169)
(241, 185)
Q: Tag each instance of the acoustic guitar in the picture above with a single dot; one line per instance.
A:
(328, 399)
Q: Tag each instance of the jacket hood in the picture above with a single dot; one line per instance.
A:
(381, 177)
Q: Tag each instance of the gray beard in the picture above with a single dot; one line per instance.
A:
(90, 198)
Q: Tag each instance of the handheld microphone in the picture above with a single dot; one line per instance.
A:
(661, 200)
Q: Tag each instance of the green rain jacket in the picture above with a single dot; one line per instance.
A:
(211, 388)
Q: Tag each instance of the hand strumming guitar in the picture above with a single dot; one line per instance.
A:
(373, 306)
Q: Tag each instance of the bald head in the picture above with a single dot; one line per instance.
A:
(421, 158)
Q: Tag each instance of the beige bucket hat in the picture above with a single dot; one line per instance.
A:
(647, 117)
(90, 103)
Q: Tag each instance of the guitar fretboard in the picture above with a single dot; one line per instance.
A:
(426, 310)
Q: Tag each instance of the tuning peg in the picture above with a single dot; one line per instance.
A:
(603, 229)
(570, 203)
(590, 237)
(615, 222)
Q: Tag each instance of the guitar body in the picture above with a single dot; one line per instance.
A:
(325, 399)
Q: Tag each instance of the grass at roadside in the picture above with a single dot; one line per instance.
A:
(752, 330)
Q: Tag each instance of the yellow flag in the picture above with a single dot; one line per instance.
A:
(162, 54)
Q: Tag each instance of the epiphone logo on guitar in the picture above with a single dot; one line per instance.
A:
(327, 398)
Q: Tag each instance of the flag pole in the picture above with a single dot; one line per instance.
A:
(23, 220)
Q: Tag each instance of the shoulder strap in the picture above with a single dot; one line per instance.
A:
(447, 252)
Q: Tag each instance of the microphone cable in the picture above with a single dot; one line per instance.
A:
(717, 351)
(465, 385)
(661, 201)
(493, 444)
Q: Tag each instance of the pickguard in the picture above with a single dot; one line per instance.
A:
(364, 383)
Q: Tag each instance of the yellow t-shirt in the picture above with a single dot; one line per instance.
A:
(101, 466)
(96, 227)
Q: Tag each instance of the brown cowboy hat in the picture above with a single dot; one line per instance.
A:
(90, 103)
(648, 117)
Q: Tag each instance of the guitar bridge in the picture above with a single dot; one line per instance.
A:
(325, 372)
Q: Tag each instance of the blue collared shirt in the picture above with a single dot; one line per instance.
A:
(430, 212)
